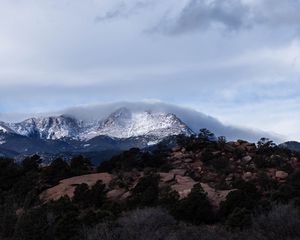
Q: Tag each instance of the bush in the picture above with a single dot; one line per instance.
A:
(221, 164)
(146, 224)
(32, 225)
(146, 192)
(97, 194)
(195, 208)
(245, 197)
(281, 223)
(58, 170)
(240, 218)
(81, 194)
(80, 165)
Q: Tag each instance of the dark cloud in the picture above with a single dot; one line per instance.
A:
(123, 10)
(231, 15)
(194, 119)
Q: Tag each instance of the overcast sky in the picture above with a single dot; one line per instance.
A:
(237, 60)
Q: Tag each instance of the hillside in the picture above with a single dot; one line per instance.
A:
(228, 186)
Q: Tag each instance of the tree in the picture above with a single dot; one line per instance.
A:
(222, 142)
(195, 208)
(265, 145)
(31, 163)
(32, 225)
(246, 197)
(146, 192)
(205, 135)
(240, 218)
(97, 194)
(81, 195)
(58, 170)
(80, 165)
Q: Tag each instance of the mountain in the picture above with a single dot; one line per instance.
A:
(65, 134)
(101, 131)
(291, 145)
(126, 124)
(48, 127)
(122, 123)
(195, 120)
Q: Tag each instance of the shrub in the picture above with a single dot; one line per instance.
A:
(97, 194)
(81, 195)
(80, 165)
(32, 225)
(146, 192)
(195, 208)
(240, 218)
(281, 223)
(221, 164)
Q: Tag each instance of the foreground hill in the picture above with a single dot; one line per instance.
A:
(216, 166)
(198, 189)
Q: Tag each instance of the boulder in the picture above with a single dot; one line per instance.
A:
(167, 177)
(180, 172)
(247, 159)
(67, 186)
(183, 186)
(247, 176)
(188, 160)
(178, 155)
(176, 149)
(281, 175)
(115, 194)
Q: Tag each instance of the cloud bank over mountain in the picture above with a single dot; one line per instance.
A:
(194, 119)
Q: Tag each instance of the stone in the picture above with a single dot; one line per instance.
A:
(125, 195)
(167, 177)
(247, 176)
(247, 159)
(178, 155)
(176, 149)
(229, 148)
(281, 175)
(216, 153)
(229, 178)
(177, 162)
(183, 186)
(115, 194)
(180, 172)
(188, 160)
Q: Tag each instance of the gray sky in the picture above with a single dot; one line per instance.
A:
(237, 60)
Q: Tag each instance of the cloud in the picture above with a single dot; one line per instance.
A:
(194, 119)
(124, 10)
(242, 65)
(232, 15)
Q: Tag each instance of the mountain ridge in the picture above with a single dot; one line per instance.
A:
(121, 130)
(120, 124)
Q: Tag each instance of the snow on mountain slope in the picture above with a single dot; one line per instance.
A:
(48, 128)
(3, 129)
(123, 123)
(143, 123)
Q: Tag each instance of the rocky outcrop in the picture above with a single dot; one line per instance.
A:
(67, 187)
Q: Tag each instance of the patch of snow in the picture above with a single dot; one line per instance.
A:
(123, 123)
(2, 129)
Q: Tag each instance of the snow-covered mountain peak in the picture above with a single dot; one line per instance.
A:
(48, 128)
(125, 124)
(122, 123)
